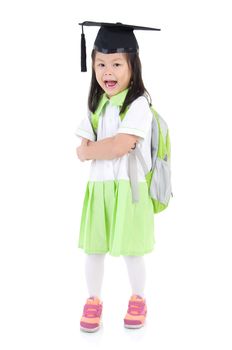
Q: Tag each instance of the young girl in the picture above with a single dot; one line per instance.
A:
(111, 221)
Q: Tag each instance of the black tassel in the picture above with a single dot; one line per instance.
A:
(83, 53)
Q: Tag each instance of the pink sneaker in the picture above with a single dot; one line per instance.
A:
(91, 317)
(136, 313)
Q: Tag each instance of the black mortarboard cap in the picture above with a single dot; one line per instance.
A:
(111, 38)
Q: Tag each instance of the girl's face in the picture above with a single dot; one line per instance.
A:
(112, 71)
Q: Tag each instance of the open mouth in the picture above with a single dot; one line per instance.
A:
(110, 83)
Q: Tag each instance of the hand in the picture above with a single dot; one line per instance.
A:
(81, 150)
(132, 148)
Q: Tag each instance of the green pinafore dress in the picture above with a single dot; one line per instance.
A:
(110, 221)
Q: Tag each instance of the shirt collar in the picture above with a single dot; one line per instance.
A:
(116, 100)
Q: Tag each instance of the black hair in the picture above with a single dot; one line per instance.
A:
(136, 87)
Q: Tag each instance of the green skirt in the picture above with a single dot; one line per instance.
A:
(110, 222)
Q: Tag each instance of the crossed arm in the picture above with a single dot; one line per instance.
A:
(108, 148)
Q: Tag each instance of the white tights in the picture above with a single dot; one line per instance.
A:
(94, 272)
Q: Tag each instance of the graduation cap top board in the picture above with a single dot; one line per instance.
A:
(111, 38)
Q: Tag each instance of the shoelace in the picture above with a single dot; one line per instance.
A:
(135, 307)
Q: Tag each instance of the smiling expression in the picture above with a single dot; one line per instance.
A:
(112, 71)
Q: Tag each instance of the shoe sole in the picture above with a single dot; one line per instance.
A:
(89, 330)
(133, 326)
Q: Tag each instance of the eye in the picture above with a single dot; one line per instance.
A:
(117, 64)
(101, 65)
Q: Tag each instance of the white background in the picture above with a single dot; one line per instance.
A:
(187, 70)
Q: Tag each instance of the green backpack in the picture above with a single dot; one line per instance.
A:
(158, 178)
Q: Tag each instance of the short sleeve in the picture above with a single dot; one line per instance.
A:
(138, 118)
(85, 130)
